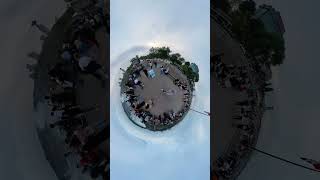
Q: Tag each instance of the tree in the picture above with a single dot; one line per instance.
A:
(162, 52)
(135, 59)
(182, 60)
(251, 32)
(187, 70)
(175, 58)
(248, 7)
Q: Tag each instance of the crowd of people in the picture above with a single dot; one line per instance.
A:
(141, 107)
(231, 75)
(248, 113)
(83, 139)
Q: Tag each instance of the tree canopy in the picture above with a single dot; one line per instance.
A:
(251, 32)
(174, 58)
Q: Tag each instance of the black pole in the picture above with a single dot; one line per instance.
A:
(282, 159)
(206, 114)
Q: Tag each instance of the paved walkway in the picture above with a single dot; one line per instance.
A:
(224, 98)
(226, 138)
(152, 90)
(162, 101)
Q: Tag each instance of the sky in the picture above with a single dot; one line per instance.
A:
(21, 155)
(292, 129)
(183, 151)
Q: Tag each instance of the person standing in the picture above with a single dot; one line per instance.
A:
(161, 70)
(41, 27)
(145, 73)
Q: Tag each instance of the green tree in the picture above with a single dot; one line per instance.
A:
(252, 34)
(162, 52)
(187, 70)
(175, 58)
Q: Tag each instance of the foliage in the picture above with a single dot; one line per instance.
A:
(174, 58)
(135, 58)
(187, 70)
(253, 35)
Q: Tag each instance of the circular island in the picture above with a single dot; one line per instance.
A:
(156, 90)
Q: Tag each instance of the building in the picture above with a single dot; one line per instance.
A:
(271, 19)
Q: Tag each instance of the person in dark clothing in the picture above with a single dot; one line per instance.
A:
(101, 169)
(92, 68)
(147, 106)
(95, 140)
(57, 72)
(130, 84)
(61, 97)
(70, 124)
(130, 92)
(76, 111)
(145, 72)
(140, 105)
(267, 89)
(73, 142)
(54, 100)
(243, 103)
(88, 159)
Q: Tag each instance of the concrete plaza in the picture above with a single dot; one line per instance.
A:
(152, 90)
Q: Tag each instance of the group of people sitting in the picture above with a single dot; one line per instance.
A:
(141, 107)
(84, 139)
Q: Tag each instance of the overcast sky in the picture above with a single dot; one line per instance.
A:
(292, 129)
(183, 151)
